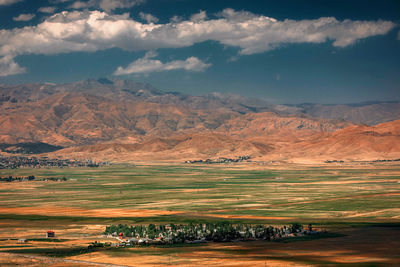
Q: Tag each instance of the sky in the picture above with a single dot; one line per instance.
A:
(288, 51)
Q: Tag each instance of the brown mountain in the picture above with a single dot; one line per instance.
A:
(351, 143)
(357, 142)
(90, 112)
(109, 118)
(369, 113)
(78, 118)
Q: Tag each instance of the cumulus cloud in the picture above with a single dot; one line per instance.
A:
(176, 19)
(147, 65)
(9, 67)
(199, 16)
(79, 5)
(106, 5)
(9, 2)
(95, 30)
(47, 9)
(148, 17)
(232, 15)
(24, 17)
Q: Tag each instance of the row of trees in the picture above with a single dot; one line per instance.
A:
(12, 178)
(219, 232)
(31, 178)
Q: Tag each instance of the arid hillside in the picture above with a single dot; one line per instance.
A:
(358, 142)
(381, 142)
(370, 113)
(129, 121)
(90, 112)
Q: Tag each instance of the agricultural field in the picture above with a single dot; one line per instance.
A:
(358, 205)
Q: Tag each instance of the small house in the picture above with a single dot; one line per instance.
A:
(50, 234)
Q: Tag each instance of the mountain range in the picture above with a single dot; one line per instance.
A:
(122, 120)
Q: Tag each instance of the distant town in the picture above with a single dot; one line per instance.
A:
(221, 160)
(15, 162)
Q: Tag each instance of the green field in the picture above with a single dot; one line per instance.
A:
(311, 193)
(303, 194)
(356, 204)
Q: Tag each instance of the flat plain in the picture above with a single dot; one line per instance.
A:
(358, 204)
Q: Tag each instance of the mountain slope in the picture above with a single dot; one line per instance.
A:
(125, 90)
(351, 143)
(90, 111)
(358, 142)
(108, 118)
(369, 113)
(77, 118)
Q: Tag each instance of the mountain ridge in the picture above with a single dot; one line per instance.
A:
(117, 116)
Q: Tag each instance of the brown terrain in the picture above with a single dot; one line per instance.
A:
(127, 121)
(369, 246)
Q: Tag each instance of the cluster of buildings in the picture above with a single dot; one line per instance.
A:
(334, 161)
(15, 162)
(220, 160)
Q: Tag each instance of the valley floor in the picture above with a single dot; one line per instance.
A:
(357, 204)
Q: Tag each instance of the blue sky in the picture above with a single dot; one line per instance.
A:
(286, 52)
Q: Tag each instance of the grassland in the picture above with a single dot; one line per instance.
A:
(343, 199)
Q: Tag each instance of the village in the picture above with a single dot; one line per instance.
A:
(15, 162)
(151, 234)
(220, 160)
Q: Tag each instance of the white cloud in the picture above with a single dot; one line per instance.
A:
(47, 9)
(151, 54)
(95, 30)
(199, 16)
(147, 65)
(9, 67)
(232, 15)
(9, 2)
(106, 5)
(176, 19)
(148, 17)
(24, 17)
(79, 5)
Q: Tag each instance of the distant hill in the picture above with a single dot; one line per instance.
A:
(112, 117)
(369, 113)
(353, 143)
(93, 111)
(358, 142)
